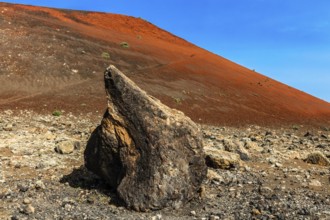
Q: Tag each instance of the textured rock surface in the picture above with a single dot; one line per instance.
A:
(318, 158)
(58, 186)
(152, 154)
(65, 147)
(219, 159)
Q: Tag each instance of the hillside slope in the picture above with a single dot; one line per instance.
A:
(54, 59)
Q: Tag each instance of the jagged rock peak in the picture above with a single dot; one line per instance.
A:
(152, 154)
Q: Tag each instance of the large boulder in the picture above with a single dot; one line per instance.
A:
(152, 154)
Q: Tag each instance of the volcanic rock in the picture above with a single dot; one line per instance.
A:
(219, 159)
(236, 147)
(65, 147)
(318, 158)
(152, 154)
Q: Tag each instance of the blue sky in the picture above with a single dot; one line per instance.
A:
(287, 40)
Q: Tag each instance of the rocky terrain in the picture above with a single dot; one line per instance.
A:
(263, 175)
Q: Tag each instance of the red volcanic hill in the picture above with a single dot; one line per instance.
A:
(54, 59)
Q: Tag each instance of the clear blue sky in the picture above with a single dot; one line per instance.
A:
(287, 40)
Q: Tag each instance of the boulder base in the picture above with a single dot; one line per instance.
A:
(152, 154)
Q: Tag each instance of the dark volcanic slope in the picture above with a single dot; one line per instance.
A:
(54, 59)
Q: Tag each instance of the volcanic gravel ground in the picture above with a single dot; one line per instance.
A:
(272, 181)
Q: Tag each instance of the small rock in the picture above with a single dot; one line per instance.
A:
(74, 71)
(326, 213)
(317, 158)
(256, 212)
(157, 217)
(253, 146)
(265, 190)
(202, 192)
(213, 175)
(5, 193)
(49, 136)
(14, 217)
(308, 134)
(26, 201)
(279, 165)
(232, 189)
(229, 145)
(214, 217)
(243, 153)
(40, 185)
(65, 147)
(219, 159)
(8, 127)
(8, 112)
(236, 147)
(315, 183)
(193, 213)
(268, 133)
(90, 200)
(29, 209)
(68, 207)
(324, 136)
(77, 145)
(23, 187)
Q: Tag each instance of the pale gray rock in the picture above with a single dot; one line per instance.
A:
(253, 146)
(65, 147)
(236, 147)
(8, 127)
(40, 185)
(152, 154)
(29, 209)
(315, 183)
(219, 159)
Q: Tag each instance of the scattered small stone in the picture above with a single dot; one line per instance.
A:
(70, 192)
(40, 185)
(219, 159)
(214, 217)
(65, 147)
(279, 165)
(8, 127)
(250, 145)
(308, 134)
(50, 136)
(265, 190)
(193, 213)
(318, 158)
(256, 212)
(23, 187)
(29, 209)
(213, 175)
(68, 207)
(26, 201)
(157, 217)
(315, 183)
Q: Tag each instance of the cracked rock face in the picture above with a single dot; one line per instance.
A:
(152, 154)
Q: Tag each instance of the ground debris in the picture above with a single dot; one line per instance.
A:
(38, 183)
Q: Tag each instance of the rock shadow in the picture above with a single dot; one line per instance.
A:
(84, 179)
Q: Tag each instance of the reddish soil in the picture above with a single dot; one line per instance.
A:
(54, 59)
